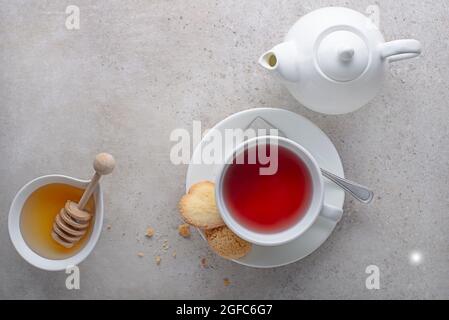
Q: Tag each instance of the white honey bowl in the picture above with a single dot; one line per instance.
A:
(15, 233)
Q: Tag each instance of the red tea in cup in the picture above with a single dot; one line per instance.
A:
(268, 203)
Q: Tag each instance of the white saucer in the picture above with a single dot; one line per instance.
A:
(304, 132)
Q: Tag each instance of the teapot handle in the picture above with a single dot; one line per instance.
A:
(400, 49)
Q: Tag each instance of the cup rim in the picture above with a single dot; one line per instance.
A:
(297, 229)
(15, 232)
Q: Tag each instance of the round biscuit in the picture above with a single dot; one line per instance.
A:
(226, 243)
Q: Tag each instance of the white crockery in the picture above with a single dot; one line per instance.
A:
(333, 60)
(316, 206)
(305, 133)
(14, 223)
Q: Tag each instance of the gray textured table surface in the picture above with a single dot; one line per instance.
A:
(138, 69)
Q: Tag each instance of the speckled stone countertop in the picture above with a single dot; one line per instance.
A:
(136, 70)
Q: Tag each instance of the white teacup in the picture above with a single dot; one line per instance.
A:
(16, 235)
(316, 208)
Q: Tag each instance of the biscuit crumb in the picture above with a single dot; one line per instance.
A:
(204, 263)
(226, 282)
(150, 232)
(158, 260)
(140, 254)
(174, 254)
(184, 230)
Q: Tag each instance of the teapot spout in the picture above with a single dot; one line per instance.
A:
(282, 59)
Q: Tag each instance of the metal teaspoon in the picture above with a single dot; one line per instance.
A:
(359, 192)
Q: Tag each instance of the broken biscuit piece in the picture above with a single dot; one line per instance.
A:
(198, 206)
(226, 243)
(184, 230)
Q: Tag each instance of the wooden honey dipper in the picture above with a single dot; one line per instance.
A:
(72, 221)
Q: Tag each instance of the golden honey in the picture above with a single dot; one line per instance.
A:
(38, 215)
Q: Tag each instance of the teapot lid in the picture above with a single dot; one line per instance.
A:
(342, 55)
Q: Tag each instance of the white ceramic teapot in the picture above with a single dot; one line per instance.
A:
(333, 59)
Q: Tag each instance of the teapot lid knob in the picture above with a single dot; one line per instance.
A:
(342, 55)
(346, 54)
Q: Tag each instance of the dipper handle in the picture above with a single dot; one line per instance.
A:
(104, 163)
